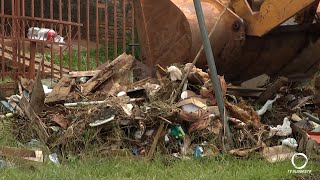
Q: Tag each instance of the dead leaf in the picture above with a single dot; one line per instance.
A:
(61, 120)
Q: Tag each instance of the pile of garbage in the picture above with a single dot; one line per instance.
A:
(118, 110)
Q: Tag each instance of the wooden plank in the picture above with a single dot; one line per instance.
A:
(27, 63)
(11, 151)
(83, 73)
(246, 92)
(155, 141)
(61, 91)
(38, 60)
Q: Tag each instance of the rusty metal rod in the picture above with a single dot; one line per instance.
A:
(213, 69)
(3, 68)
(23, 42)
(60, 32)
(88, 33)
(51, 45)
(124, 26)
(132, 31)
(79, 35)
(115, 29)
(70, 36)
(42, 44)
(97, 33)
(43, 20)
(106, 32)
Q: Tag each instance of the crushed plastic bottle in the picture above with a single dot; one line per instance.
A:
(291, 142)
(177, 132)
(198, 152)
(54, 158)
(3, 164)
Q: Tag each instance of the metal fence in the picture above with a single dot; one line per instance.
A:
(59, 36)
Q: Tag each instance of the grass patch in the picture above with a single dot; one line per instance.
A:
(221, 167)
(102, 55)
(83, 57)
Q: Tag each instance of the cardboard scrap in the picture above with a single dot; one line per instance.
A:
(277, 153)
(192, 104)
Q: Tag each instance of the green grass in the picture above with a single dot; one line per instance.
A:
(221, 167)
(102, 55)
(91, 166)
(6, 79)
(83, 57)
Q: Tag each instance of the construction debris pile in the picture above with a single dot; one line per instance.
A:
(117, 111)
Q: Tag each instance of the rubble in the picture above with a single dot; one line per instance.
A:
(141, 117)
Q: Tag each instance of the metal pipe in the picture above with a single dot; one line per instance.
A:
(213, 69)
(312, 117)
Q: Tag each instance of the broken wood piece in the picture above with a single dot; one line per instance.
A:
(272, 90)
(26, 154)
(38, 96)
(38, 126)
(166, 120)
(61, 91)
(300, 102)
(155, 142)
(161, 71)
(121, 64)
(245, 92)
(243, 115)
(238, 124)
(243, 152)
(256, 82)
(84, 73)
(26, 84)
